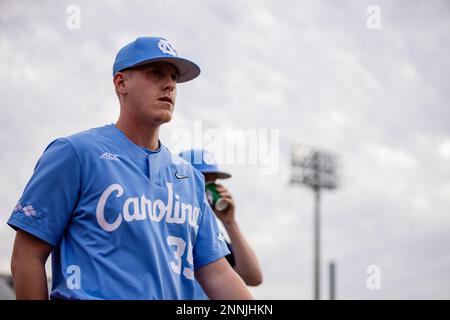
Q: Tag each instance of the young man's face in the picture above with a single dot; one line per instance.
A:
(151, 92)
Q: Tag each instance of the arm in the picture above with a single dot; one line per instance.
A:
(28, 266)
(246, 262)
(220, 282)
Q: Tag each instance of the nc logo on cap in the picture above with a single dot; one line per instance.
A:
(166, 47)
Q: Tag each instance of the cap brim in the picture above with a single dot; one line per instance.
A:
(220, 174)
(223, 175)
(188, 70)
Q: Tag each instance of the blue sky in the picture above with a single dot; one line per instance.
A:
(311, 71)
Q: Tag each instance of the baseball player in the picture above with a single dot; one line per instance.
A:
(241, 257)
(120, 217)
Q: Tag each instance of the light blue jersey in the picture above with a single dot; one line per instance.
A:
(125, 222)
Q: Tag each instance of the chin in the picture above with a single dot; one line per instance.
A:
(164, 118)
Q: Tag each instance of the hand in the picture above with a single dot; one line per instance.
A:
(227, 215)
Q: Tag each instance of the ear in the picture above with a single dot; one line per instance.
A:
(120, 83)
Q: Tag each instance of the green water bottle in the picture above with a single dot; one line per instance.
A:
(214, 198)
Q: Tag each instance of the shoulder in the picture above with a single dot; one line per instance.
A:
(77, 145)
(91, 141)
(89, 137)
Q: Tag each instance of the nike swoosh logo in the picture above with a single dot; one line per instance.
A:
(179, 176)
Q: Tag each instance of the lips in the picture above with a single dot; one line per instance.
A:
(166, 99)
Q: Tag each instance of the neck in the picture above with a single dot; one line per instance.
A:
(139, 133)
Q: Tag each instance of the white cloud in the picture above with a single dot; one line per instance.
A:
(391, 157)
(444, 149)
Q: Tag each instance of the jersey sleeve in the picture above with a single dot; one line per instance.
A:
(51, 195)
(210, 244)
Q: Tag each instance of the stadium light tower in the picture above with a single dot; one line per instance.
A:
(317, 170)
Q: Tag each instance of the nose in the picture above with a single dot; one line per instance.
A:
(170, 84)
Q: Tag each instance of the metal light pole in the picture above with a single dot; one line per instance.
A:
(317, 244)
(317, 170)
(332, 281)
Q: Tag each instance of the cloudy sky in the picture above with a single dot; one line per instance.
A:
(317, 73)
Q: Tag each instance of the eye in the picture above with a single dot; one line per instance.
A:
(157, 72)
(174, 76)
(162, 73)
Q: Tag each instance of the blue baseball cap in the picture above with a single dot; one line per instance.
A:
(151, 49)
(203, 161)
